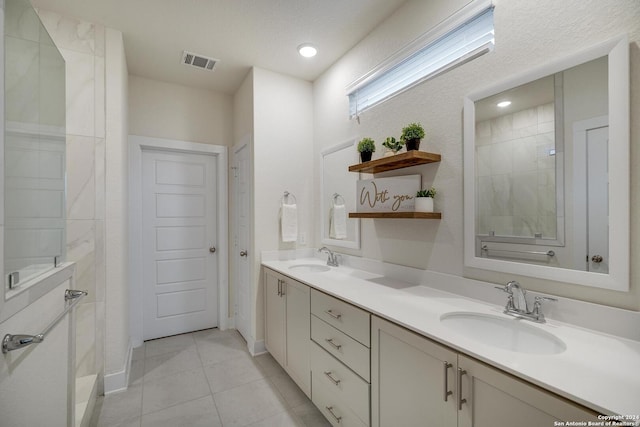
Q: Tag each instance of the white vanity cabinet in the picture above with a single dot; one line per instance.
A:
(287, 326)
(496, 399)
(415, 381)
(340, 360)
(408, 378)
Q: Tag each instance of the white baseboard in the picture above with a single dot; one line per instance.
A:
(119, 381)
(257, 347)
(228, 323)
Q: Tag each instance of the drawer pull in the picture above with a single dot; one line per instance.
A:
(334, 315)
(447, 392)
(333, 380)
(334, 345)
(337, 418)
(461, 372)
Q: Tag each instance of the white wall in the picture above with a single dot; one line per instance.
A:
(172, 111)
(243, 109)
(527, 35)
(283, 161)
(117, 345)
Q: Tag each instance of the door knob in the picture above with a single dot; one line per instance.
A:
(597, 259)
(212, 249)
(243, 253)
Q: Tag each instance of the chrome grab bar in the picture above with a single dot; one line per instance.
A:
(14, 342)
(548, 253)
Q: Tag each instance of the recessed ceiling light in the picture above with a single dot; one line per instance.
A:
(307, 50)
(503, 104)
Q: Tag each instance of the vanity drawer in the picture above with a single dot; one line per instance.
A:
(333, 407)
(345, 386)
(341, 346)
(351, 320)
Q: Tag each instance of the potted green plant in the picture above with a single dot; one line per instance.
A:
(392, 145)
(411, 135)
(366, 147)
(424, 200)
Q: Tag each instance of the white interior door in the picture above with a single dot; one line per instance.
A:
(242, 238)
(590, 194)
(180, 288)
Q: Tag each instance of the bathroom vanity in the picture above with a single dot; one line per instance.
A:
(370, 349)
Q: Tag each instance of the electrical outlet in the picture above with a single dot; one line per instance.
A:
(302, 239)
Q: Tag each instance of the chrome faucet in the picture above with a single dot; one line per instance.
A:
(517, 303)
(517, 299)
(332, 259)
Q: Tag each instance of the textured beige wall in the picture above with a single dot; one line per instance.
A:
(283, 160)
(528, 34)
(166, 110)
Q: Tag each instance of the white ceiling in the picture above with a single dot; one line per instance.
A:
(240, 33)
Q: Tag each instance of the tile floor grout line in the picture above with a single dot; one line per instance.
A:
(215, 405)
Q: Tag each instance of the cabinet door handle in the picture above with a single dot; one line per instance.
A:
(334, 345)
(461, 372)
(334, 315)
(333, 380)
(279, 287)
(337, 418)
(447, 392)
(283, 284)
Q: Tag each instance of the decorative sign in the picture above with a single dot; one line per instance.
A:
(395, 194)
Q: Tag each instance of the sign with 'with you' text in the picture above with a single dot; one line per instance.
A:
(396, 194)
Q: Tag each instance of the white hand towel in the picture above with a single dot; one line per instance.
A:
(338, 222)
(289, 222)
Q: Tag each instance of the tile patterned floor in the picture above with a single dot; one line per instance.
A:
(206, 378)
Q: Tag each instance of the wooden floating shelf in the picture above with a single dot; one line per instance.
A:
(417, 215)
(398, 161)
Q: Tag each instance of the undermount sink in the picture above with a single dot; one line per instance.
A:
(506, 333)
(310, 268)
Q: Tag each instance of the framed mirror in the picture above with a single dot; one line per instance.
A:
(546, 161)
(338, 192)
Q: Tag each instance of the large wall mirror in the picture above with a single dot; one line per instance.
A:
(338, 196)
(34, 149)
(547, 171)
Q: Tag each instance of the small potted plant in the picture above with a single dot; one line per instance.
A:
(392, 145)
(366, 147)
(424, 200)
(411, 135)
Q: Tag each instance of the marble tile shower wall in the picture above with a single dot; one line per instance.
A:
(516, 173)
(82, 45)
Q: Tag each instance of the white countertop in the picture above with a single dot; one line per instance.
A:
(597, 370)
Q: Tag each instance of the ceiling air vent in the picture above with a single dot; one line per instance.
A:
(198, 61)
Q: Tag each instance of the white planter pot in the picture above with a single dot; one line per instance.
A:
(424, 204)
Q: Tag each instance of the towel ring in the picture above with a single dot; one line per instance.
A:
(286, 197)
(337, 196)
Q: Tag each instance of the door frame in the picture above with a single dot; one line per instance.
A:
(136, 145)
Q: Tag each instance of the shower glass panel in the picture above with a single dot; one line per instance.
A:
(34, 148)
